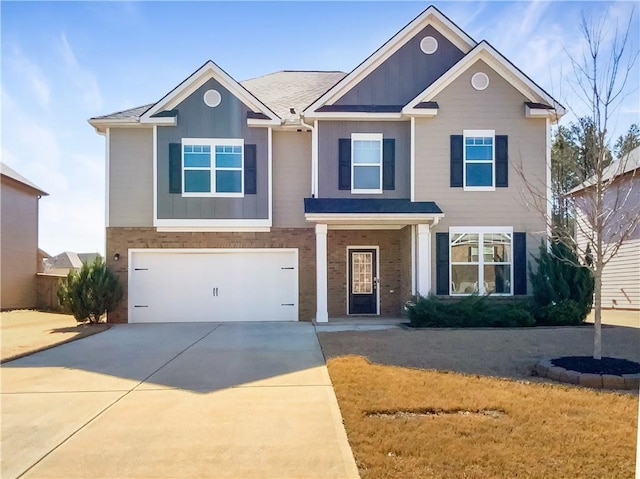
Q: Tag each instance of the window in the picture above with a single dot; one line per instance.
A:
(213, 167)
(366, 164)
(481, 261)
(479, 159)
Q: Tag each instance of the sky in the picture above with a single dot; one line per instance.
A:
(65, 62)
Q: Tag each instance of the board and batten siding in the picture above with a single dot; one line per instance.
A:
(501, 108)
(227, 120)
(329, 132)
(130, 177)
(404, 74)
(19, 249)
(291, 177)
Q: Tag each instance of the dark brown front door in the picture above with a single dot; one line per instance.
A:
(363, 277)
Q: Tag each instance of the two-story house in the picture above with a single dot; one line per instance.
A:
(311, 195)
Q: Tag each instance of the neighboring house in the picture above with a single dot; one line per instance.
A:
(43, 258)
(68, 261)
(309, 195)
(621, 275)
(18, 239)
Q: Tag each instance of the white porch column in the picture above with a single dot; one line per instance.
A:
(424, 259)
(322, 314)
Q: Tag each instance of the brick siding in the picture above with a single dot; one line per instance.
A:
(392, 254)
(120, 240)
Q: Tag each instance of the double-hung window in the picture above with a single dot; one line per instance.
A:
(479, 159)
(213, 167)
(366, 163)
(481, 261)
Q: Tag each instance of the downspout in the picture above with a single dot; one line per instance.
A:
(314, 158)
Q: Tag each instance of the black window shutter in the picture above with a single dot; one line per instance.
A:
(388, 164)
(502, 161)
(250, 170)
(456, 161)
(175, 168)
(442, 263)
(344, 164)
(520, 263)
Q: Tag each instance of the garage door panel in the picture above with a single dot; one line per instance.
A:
(255, 285)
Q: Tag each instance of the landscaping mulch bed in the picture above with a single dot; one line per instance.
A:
(606, 365)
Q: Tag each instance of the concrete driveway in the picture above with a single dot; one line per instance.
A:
(251, 400)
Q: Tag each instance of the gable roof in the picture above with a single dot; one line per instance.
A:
(288, 89)
(538, 98)
(431, 16)
(17, 177)
(627, 164)
(67, 259)
(197, 79)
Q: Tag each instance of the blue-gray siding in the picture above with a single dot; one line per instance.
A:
(197, 120)
(329, 132)
(405, 74)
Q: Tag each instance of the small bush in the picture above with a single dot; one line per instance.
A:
(90, 292)
(471, 311)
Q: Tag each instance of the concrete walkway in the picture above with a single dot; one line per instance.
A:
(251, 400)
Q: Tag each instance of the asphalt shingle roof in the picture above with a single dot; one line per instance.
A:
(288, 89)
(131, 113)
(280, 91)
(619, 167)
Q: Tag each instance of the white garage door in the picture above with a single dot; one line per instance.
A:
(213, 285)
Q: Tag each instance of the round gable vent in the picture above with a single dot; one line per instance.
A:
(480, 81)
(428, 45)
(212, 98)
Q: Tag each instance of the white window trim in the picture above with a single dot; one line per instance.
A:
(478, 133)
(213, 142)
(366, 137)
(481, 231)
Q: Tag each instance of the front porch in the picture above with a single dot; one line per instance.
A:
(372, 255)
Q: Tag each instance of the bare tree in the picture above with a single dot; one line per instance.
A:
(605, 205)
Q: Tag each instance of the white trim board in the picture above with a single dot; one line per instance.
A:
(208, 223)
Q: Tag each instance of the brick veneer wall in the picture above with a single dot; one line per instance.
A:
(119, 240)
(390, 243)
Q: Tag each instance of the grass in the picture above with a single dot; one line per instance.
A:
(412, 423)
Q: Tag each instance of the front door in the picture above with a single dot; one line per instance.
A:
(363, 277)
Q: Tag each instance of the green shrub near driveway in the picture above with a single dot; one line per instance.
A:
(562, 288)
(469, 312)
(91, 292)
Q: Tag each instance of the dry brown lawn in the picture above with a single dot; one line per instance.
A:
(411, 423)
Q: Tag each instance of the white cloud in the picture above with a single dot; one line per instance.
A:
(84, 81)
(31, 74)
(72, 217)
